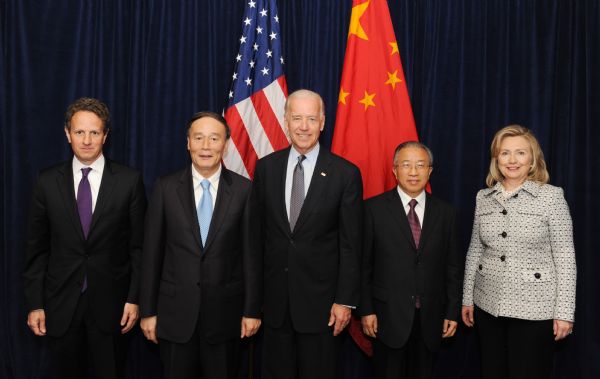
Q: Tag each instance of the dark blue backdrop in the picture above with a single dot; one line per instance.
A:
(472, 67)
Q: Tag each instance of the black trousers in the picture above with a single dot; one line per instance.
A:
(84, 348)
(199, 358)
(413, 360)
(514, 348)
(288, 354)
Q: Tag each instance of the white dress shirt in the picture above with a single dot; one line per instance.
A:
(199, 191)
(94, 176)
(419, 208)
(309, 167)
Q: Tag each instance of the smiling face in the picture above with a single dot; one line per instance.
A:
(514, 160)
(87, 135)
(304, 120)
(412, 170)
(207, 142)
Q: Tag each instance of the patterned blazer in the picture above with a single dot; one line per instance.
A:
(521, 261)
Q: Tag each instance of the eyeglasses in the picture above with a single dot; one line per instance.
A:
(419, 166)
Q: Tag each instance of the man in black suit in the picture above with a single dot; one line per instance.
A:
(201, 275)
(310, 206)
(412, 272)
(84, 242)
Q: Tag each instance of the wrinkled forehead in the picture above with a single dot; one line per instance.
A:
(307, 105)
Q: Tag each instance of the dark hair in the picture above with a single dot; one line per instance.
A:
(214, 116)
(88, 104)
(406, 144)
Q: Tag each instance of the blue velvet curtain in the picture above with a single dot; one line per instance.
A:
(472, 66)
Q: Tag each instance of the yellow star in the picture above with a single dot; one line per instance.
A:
(367, 100)
(394, 46)
(342, 96)
(355, 26)
(393, 79)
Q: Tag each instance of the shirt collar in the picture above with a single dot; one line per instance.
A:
(311, 156)
(213, 179)
(97, 165)
(406, 198)
(530, 186)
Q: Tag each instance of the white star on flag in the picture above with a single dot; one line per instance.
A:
(255, 105)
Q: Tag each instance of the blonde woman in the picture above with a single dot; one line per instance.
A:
(520, 273)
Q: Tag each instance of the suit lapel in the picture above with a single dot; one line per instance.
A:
(107, 185)
(221, 206)
(429, 221)
(185, 192)
(280, 174)
(318, 183)
(65, 186)
(399, 214)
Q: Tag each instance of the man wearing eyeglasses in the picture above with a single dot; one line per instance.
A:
(412, 272)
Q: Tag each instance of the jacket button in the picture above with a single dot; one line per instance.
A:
(480, 267)
(198, 284)
(286, 269)
(537, 275)
(504, 212)
(503, 258)
(503, 234)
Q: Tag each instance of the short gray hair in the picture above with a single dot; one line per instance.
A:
(417, 144)
(304, 93)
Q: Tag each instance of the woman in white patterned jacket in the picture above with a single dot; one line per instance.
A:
(520, 273)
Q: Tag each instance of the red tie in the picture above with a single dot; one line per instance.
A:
(413, 221)
(415, 227)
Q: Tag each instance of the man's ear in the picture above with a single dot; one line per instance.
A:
(68, 135)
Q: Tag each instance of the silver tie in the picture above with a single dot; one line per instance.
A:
(297, 197)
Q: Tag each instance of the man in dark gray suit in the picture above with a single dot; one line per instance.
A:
(201, 275)
(83, 248)
(412, 271)
(310, 206)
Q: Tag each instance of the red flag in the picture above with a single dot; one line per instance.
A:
(374, 113)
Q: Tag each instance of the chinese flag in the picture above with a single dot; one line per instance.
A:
(374, 113)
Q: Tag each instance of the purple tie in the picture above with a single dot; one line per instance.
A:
(84, 206)
(415, 227)
(413, 221)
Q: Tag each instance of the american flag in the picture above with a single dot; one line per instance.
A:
(258, 90)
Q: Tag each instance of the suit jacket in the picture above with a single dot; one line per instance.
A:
(309, 268)
(395, 271)
(58, 257)
(181, 279)
(521, 261)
